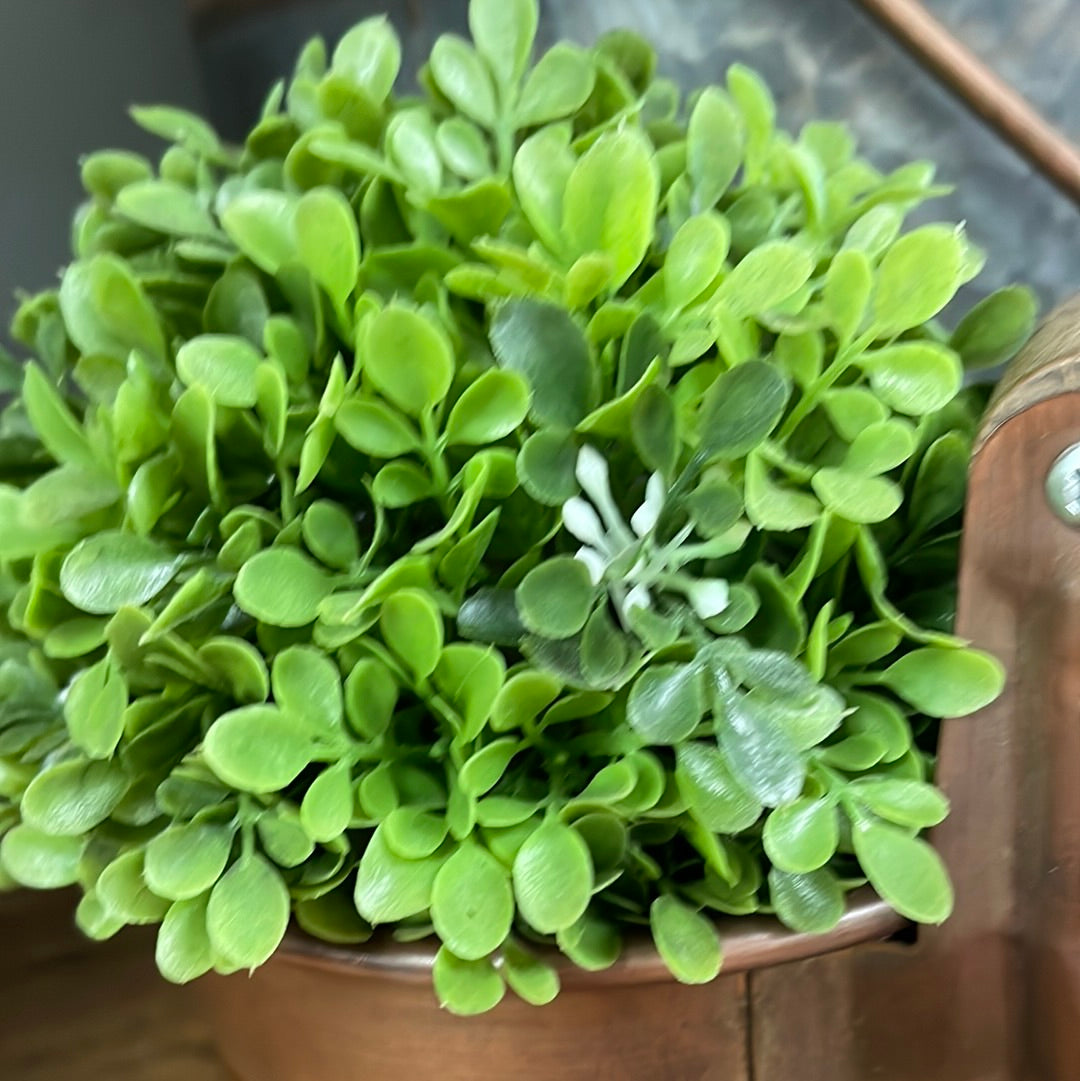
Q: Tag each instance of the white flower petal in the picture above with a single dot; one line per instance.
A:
(708, 597)
(581, 519)
(646, 516)
(595, 562)
(591, 471)
(638, 597)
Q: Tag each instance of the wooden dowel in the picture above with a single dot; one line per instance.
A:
(985, 92)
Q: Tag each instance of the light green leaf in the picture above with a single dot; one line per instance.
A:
(904, 870)
(166, 207)
(111, 570)
(527, 976)
(553, 878)
(558, 86)
(856, 497)
(223, 365)
(766, 277)
(489, 409)
(327, 806)
(375, 429)
(811, 904)
(282, 587)
(686, 940)
(504, 31)
(802, 836)
(466, 988)
(412, 627)
(715, 798)
(389, 888)
(328, 241)
(610, 201)
(714, 144)
(918, 276)
(94, 708)
(946, 682)
(71, 798)
(996, 327)
(184, 861)
(370, 697)
(408, 359)
(913, 377)
(695, 257)
(912, 804)
(257, 748)
(462, 77)
(40, 861)
(369, 56)
(248, 913)
(262, 224)
(472, 903)
(183, 951)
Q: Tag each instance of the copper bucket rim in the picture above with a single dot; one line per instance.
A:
(749, 942)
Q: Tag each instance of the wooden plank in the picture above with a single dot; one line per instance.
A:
(91, 1011)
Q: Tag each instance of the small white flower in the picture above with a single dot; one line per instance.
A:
(646, 516)
(595, 562)
(580, 518)
(591, 471)
(638, 597)
(708, 597)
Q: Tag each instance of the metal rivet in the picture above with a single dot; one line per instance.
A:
(1063, 486)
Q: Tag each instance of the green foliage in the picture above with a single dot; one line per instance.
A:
(510, 514)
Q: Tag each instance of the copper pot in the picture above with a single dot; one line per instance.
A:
(322, 1013)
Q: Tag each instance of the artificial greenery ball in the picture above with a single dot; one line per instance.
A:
(513, 514)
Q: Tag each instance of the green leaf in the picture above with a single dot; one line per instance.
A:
(282, 587)
(369, 56)
(223, 365)
(470, 677)
(913, 377)
(541, 342)
(112, 570)
(370, 697)
(262, 224)
(912, 804)
(94, 708)
(666, 703)
(996, 327)
(483, 770)
(328, 241)
(389, 888)
(124, 894)
(775, 507)
(946, 682)
(591, 943)
(653, 428)
(466, 988)
(741, 409)
(755, 103)
(554, 599)
(714, 145)
(848, 283)
(184, 861)
(695, 257)
(527, 976)
(610, 201)
(332, 917)
(715, 798)
(764, 278)
(541, 170)
(761, 752)
(558, 86)
(489, 409)
(463, 148)
(327, 806)
(307, 686)
(183, 951)
(240, 665)
(918, 276)
(811, 904)
(504, 31)
(686, 940)
(71, 798)
(330, 534)
(881, 447)
(412, 627)
(248, 913)
(283, 837)
(802, 836)
(412, 833)
(54, 423)
(106, 310)
(257, 748)
(940, 483)
(545, 466)
(408, 359)
(855, 497)
(553, 878)
(40, 861)
(904, 870)
(462, 77)
(401, 484)
(166, 207)
(472, 903)
(375, 429)
(178, 126)
(410, 141)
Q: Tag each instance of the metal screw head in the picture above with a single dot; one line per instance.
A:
(1063, 486)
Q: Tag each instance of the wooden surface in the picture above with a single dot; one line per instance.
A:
(73, 1010)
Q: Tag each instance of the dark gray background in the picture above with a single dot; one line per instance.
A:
(69, 68)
